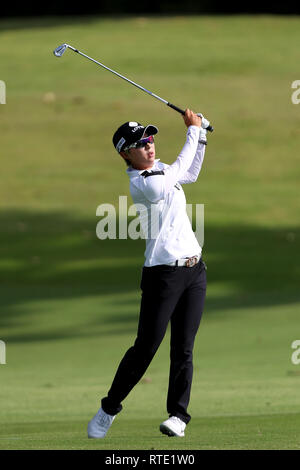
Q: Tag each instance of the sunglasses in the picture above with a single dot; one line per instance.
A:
(141, 143)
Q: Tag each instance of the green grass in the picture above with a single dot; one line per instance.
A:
(69, 302)
(245, 389)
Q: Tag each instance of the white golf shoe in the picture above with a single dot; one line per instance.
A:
(173, 426)
(99, 424)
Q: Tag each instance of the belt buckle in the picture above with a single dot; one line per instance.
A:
(191, 262)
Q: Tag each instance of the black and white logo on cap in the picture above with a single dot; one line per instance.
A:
(136, 126)
(120, 143)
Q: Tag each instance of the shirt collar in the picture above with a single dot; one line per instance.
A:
(132, 171)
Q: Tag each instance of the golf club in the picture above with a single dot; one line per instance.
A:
(59, 51)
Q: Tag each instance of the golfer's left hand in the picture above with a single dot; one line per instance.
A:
(205, 122)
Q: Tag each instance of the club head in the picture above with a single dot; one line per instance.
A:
(58, 52)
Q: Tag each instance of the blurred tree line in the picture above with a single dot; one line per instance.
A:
(165, 7)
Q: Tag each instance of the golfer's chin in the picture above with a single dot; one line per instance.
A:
(151, 158)
(147, 162)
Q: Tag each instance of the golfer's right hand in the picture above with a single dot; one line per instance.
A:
(191, 119)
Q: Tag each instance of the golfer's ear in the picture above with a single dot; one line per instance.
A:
(124, 155)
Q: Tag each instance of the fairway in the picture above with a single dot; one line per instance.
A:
(70, 302)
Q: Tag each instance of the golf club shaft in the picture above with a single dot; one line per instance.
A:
(209, 128)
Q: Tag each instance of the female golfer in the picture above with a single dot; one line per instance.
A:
(174, 279)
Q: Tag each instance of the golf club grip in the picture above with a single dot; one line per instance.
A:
(176, 108)
(209, 128)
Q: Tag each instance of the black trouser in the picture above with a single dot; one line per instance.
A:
(168, 293)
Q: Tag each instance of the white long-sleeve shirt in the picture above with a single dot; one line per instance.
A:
(160, 201)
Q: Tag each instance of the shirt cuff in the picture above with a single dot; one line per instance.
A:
(194, 128)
